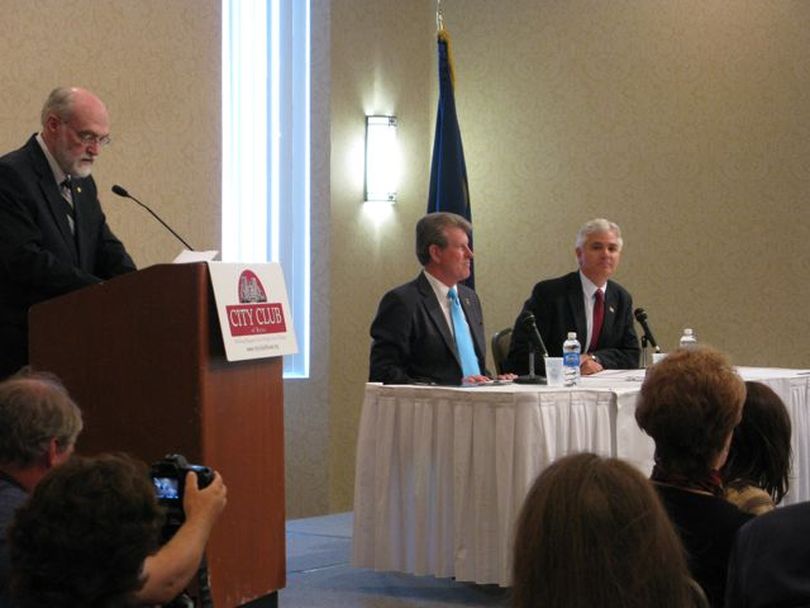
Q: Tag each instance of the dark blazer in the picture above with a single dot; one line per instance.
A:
(558, 307)
(770, 561)
(411, 341)
(707, 526)
(39, 257)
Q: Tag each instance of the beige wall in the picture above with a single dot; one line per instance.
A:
(688, 122)
(306, 402)
(382, 63)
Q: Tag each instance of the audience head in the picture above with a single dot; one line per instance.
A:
(82, 538)
(690, 403)
(760, 447)
(592, 532)
(39, 422)
(442, 246)
(599, 249)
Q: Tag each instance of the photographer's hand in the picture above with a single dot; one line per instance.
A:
(169, 571)
(204, 505)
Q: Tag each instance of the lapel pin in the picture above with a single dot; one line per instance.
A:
(612, 310)
(79, 189)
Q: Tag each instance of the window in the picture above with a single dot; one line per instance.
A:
(266, 150)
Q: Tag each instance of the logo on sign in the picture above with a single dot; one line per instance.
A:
(254, 315)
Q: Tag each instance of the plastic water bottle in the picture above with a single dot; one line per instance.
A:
(688, 339)
(571, 350)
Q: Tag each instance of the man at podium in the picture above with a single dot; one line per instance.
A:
(54, 237)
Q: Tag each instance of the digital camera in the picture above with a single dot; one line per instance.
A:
(169, 478)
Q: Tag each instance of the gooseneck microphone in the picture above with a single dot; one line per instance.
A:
(641, 317)
(120, 191)
(529, 324)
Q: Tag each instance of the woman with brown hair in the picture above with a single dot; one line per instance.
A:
(592, 532)
(689, 404)
(757, 472)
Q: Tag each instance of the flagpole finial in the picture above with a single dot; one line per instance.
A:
(439, 16)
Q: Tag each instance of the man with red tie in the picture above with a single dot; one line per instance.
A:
(587, 302)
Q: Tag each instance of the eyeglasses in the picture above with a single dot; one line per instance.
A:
(88, 138)
(92, 139)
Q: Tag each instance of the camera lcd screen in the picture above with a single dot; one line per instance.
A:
(166, 488)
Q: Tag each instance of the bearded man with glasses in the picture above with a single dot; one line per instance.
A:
(54, 237)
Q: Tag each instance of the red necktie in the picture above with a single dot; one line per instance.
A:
(598, 317)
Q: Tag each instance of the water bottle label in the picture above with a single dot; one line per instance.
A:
(571, 359)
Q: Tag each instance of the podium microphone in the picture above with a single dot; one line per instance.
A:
(641, 317)
(123, 193)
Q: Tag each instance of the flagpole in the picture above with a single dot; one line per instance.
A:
(448, 190)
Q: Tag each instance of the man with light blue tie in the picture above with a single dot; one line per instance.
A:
(431, 330)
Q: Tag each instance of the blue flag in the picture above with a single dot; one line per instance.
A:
(448, 172)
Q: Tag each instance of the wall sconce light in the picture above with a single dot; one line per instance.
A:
(382, 159)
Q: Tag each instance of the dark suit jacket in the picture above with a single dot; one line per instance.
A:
(770, 561)
(39, 257)
(558, 307)
(411, 341)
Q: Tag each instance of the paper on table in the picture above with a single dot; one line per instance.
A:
(187, 257)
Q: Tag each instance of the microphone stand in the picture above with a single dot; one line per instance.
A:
(644, 343)
(531, 377)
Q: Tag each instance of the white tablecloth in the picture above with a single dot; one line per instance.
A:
(441, 472)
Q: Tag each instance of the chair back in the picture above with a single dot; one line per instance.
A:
(500, 348)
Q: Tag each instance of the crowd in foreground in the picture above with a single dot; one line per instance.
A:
(702, 531)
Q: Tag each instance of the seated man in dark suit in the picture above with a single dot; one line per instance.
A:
(54, 237)
(770, 561)
(586, 302)
(432, 330)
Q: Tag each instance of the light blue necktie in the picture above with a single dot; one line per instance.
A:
(464, 343)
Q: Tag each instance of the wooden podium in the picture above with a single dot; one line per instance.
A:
(143, 357)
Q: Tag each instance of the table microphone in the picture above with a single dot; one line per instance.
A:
(528, 323)
(123, 193)
(641, 317)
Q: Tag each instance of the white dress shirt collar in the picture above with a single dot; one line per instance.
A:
(441, 290)
(58, 174)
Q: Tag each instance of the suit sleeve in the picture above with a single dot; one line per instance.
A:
(390, 347)
(737, 578)
(112, 258)
(23, 258)
(518, 359)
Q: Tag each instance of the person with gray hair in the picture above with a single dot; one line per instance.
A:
(54, 237)
(587, 302)
(431, 330)
(39, 426)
